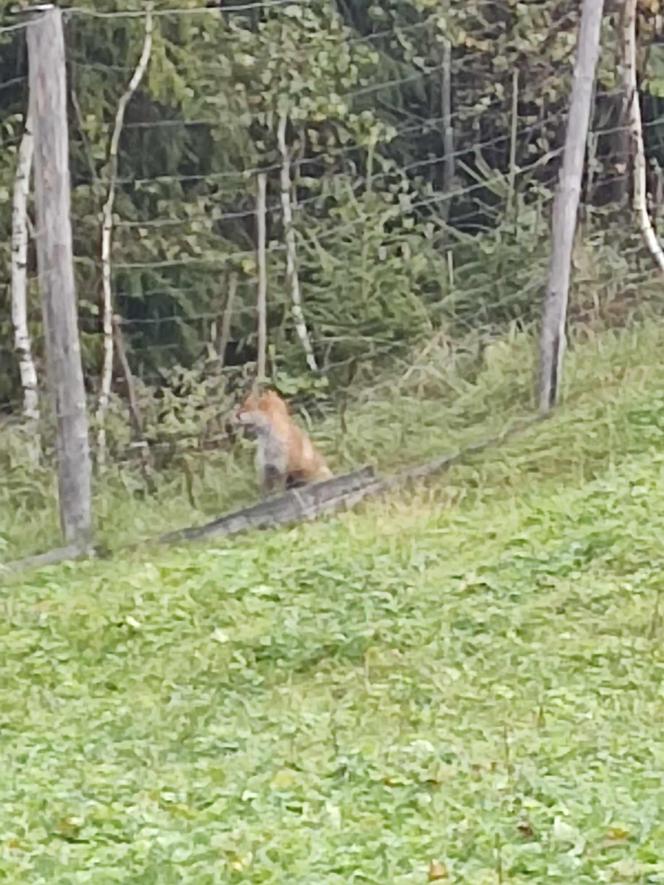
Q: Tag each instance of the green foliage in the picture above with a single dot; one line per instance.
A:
(465, 680)
(354, 81)
(389, 253)
(372, 267)
(654, 74)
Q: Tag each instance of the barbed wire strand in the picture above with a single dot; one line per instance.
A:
(216, 10)
(390, 347)
(436, 198)
(250, 310)
(193, 10)
(379, 176)
(310, 160)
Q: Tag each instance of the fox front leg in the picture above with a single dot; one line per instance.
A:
(271, 480)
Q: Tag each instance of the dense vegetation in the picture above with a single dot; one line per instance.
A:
(395, 242)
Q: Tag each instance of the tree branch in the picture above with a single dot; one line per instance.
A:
(289, 234)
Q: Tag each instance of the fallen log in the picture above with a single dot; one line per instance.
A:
(309, 502)
(50, 557)
(295, 505)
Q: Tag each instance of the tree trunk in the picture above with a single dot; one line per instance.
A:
(22, 340)
(289, 234)
(135, 417)
(514, 129)
(636, 134)
(106, 237)
(226, 320)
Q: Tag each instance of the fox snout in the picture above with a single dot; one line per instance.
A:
(242, 421)
(247, 419)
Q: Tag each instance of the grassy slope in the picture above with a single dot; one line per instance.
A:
(471, 674)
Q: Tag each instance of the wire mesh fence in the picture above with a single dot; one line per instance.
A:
(412, 154)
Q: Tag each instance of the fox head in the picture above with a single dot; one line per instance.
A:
(259, 408)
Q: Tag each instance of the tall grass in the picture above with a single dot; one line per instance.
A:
(438, 400)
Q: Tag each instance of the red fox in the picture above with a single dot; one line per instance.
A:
(285, 456)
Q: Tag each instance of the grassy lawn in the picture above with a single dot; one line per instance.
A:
(470, 675)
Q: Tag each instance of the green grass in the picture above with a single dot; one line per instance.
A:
(470, 674)
(421, 409)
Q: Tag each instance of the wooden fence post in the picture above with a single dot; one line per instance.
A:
(48, 94)
(566, 204)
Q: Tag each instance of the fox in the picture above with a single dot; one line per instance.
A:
(285, 457)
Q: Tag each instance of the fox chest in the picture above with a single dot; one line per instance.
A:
(272, 453)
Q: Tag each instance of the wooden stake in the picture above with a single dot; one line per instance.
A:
(565, 206)
(48, 90)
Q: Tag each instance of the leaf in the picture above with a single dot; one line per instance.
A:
(617, 834)
(564, 832)
(437, 872)
(284, 779)
(526, 830)
(220, 635)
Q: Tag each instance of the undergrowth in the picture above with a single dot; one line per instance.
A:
(461, 684)
(438, 401)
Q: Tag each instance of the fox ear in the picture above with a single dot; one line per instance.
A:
(274, 393)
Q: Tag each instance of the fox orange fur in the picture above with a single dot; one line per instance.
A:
(285, 457)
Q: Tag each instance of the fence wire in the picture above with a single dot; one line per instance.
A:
(399, 238)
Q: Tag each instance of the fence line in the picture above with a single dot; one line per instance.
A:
(196, 10)
(165, 265)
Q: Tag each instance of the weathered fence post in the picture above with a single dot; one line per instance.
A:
(566, 204)
(48, 94)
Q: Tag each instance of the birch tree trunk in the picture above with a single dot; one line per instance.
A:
(19, 298)
(514, 129)
(261, 302)
(448, 129)
(106, 241)
(636, 133)
(291, 260)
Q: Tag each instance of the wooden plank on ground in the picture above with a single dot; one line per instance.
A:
(293, 506)
(298, 505)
